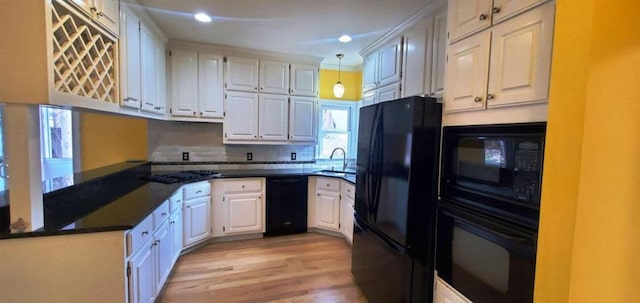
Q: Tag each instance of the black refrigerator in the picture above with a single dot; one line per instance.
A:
(395, 202)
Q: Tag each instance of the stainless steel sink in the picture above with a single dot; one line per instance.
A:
(335, 173)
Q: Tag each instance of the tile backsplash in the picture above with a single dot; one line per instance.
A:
(167, 141)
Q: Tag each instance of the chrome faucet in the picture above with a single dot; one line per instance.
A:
(344, 157)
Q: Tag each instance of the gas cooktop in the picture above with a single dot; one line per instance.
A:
(189, 175)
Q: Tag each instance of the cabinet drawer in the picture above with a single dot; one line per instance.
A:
(139, 235)
(175, 202)
(161, 214)
(195, 190)
(348, 190)
(329, 184)
(242, 185)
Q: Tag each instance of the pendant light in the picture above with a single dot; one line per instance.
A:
(338, 88)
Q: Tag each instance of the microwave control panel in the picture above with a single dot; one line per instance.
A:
(526, 179)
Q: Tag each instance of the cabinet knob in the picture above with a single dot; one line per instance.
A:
(198, 192)
(327, 185)
(318, 195)
(255, 88)
(164, 214)
(262, 88)
(482, 17)
(477, 99)
(496, 10)
(490, 96)
(242, 186)
(194, 113)
(255, 136)
(144, 233)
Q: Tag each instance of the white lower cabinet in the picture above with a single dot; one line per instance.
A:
(197, 213)
(142, 272)
(328, 210)
(239, 206)
(197, 220)
(244, 213)
(163, 255)
(151, 262)
(346, 212)
(175, 229)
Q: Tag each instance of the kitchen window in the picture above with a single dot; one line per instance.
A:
(337, 127)
(56, 143)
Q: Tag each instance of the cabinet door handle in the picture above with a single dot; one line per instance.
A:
(198, 192)
(490, 96)
(144, 233)
(477, 99)
(482, 17)
(164, 214)
(496, 10)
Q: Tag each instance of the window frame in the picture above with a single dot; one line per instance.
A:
(352, 126)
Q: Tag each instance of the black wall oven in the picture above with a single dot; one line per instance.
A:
(487, 226)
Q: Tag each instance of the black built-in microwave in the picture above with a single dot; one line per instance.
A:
(495, 169)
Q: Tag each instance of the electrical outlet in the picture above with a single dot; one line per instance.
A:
(249, 156)
(293, 156)
(185, 156)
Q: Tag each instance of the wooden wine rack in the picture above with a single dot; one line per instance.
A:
(83, 58)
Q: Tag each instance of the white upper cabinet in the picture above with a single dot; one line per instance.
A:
(273, 113)
(184, 83)
(503, 9)
(466, 76)
(388, 93)
(242, 74)
(196, 82)
(521, 58)
(470, 16)
(302, 119)
(149, 70)
(383, 67)
(369, 98)
(416, 65)
(519, 52)
(304, 80)
(241, 120)
(274, 77)
(370, 72)
(439, 55)
(390, 63)
(105, 12)
(210, 91)
(142, 81)
(424, 57)
(130, 60)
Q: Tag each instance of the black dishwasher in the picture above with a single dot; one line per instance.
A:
(286, 205)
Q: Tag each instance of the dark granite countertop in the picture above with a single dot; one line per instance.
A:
(128, 210)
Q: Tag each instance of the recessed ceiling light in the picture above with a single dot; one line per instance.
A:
(344, 38)
(202, 17)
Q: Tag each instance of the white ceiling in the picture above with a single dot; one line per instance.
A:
(302, 27)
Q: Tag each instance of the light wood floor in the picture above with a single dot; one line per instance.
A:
(309, 267)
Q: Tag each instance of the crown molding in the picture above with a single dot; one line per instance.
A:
(348, 68)
(226, 50)
(433, 8)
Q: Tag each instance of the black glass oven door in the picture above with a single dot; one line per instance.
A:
(484, 259)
